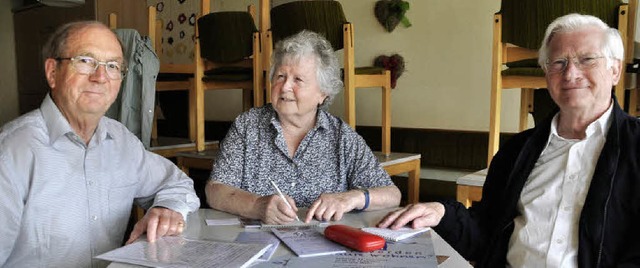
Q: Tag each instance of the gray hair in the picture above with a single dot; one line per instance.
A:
(307, 43)
(612, 47)
(56, 45)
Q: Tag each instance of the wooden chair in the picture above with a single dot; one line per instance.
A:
(222, 47)
(517, 33)
(172, 77)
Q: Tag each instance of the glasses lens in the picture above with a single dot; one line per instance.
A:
(84, 65)
(588, 62)
(556, 65)
(88, 65)
(113, 70)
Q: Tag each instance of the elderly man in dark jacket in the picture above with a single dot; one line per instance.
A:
(564, 194)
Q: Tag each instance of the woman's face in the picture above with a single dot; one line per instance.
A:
(295, 92)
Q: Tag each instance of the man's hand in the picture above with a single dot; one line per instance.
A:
(273, 210)
(158, 222)
(332, 206)
(421, 215)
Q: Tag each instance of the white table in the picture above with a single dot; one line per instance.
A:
(198, 229)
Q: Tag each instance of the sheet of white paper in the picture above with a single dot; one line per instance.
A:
(179, 252)
(230, 221)
(307, 242)
(260, 238)
(416, 251)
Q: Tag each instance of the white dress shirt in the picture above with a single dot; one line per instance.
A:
(546, 232)
(63, 202)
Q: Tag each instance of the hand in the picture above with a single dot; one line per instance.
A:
(421, 215)
(333, 205)
(273, 210)
(156, 223)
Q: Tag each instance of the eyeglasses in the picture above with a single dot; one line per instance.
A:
(583, 63)
(88, 65)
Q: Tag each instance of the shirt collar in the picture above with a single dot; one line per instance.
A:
(599, 126)
(58, 125)
(322, 118)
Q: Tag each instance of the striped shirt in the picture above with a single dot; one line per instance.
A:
(63, 202)
(331, 158)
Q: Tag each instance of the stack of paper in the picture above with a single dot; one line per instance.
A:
(307, 242)
(172, 251)
(395, 235)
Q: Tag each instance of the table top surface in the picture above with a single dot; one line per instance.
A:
(198, 229)
(395, 158)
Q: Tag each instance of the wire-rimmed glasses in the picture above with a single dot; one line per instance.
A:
(88, 65)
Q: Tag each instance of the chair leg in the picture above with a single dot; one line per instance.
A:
(633, 101)
(386, 114)
(526, 106)
(246, 99)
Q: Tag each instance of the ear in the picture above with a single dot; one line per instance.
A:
(616, 69)
(50, 66)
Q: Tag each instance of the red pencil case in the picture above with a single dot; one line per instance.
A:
(354, 238)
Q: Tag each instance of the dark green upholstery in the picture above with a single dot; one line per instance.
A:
(226, 36)
(525, 71)
(369, 70)
(323, 17)
(228, 73)
(525, 21)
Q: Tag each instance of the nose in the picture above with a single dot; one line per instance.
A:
(100, 74)
(572, 71)
(287, 85)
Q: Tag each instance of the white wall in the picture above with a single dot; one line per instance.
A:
(8, 77)
(447, 78)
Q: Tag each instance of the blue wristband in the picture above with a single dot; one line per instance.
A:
(366, 200)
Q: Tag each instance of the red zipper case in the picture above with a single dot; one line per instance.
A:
(354, 238)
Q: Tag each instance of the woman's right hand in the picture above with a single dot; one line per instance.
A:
(273, 209)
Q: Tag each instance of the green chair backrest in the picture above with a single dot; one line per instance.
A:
(525, 21)
(226, 36)
(323, 17)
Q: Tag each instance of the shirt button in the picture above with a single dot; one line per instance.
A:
(94, 217)
(567, 208)
(90, 183)
(293, 184)
(559, 241)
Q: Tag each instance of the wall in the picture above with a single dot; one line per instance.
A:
(447, 78)
(8, 78)
(446, 84)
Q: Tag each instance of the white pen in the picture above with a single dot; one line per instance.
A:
(282, 196)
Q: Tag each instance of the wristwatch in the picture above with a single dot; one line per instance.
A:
(366, 200)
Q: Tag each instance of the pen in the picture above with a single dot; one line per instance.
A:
(282, 196)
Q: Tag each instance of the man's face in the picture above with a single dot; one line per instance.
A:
(77, 94)
(583, 87)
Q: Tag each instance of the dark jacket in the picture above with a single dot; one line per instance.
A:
(609, 232)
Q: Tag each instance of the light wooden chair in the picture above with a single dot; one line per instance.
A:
(168, 73)
(211, 55)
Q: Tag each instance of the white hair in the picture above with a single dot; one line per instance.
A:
(612, 47)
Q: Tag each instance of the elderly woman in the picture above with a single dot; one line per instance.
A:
(314, 158)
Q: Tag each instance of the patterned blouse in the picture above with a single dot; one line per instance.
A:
(331, 158)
